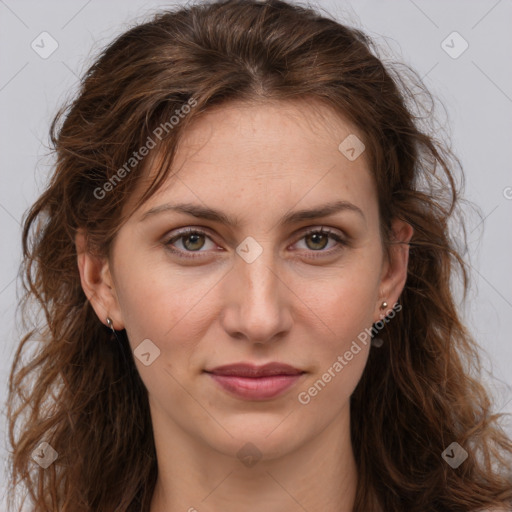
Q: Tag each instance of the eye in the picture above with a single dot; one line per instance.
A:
(318, 239)
(192, 240)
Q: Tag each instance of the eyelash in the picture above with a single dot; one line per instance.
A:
(197, 254)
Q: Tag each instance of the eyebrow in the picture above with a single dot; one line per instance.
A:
(202, 212)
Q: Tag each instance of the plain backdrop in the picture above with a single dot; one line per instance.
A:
(473, 83)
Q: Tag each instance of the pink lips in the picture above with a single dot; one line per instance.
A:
(255, 382)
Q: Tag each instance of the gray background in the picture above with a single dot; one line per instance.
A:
(476, 89)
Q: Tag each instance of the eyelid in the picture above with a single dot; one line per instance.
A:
(342, 241)
(182, 233)
(341, 238)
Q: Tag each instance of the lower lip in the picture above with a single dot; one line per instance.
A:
(259, 388)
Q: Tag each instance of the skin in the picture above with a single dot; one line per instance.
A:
(257, 162)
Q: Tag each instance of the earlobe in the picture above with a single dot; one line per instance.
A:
(395, 270)
(97, 283)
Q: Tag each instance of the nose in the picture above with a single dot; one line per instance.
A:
(257, 300)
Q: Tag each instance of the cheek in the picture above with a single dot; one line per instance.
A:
(171, 308)
(343, 308)
(155, 294)
(345, 303)
(328, 391)
(345, 348)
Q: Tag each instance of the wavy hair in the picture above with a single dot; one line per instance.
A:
(420, 391)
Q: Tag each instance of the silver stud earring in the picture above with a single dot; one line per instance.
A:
(115, 338)
(384, 305)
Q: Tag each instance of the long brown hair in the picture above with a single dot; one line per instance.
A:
(82, 394)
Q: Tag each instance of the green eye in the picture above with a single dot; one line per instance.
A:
(193, 240)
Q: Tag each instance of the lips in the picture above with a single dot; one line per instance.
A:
(250, 382)
(252, 371)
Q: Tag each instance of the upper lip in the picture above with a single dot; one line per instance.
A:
(250, 370)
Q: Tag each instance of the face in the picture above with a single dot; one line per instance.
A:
(262, 286)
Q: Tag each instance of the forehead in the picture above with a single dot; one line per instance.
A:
(255, 155)
(277, 134)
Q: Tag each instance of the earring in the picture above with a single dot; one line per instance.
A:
(113, 334)
(378, 342)
(115, 337)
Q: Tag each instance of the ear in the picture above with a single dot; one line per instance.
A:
(97, 283)
(394, 269)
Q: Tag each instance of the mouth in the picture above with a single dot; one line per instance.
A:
(250, 382)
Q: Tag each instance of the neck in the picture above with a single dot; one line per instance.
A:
(320, 474)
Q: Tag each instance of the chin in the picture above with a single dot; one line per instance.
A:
(269, 437)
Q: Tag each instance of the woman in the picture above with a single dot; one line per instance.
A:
(244, 262)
